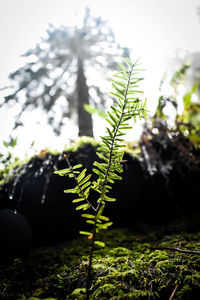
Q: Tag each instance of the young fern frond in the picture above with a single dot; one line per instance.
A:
(82, 188)
(127, 105)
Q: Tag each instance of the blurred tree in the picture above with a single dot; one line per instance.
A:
(57, 72)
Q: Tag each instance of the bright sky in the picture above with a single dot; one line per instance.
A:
(152, 28)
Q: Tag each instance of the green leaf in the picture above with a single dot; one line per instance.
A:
(110, 133)
(104, 148)
(115, 176)
(120, 91)
(14, 142)
(96, 189)
(88, 216)
(85, 232)
(85, 185)
(125, 127)
(71, 175)
(105, 225)
(81, 175)
(119, 75)
(101, 244)
(109, 121)
(124, 70)
(100, 155)
(117, 95)
(120, 133)
(103, 218)
(108, 187)
(85, 179)
(120, 83)
(5, 144)
(78, 200)
(90, 222)
(86, 192)
(73, 191)
(93, 110)
(100, 174)
(134, 92)
(83, 206)
(63, 171)
(127, 61)
(100, 211)
(110, 180)
(112, 118)
(77, 166)
(116, 111)
(106, 198)
(100, 166)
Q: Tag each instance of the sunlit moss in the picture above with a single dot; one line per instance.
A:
(125, 269)
(132, 148)
(80, 142)
(10, 171)
(13, 169)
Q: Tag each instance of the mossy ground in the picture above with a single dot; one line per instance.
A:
(125, 269)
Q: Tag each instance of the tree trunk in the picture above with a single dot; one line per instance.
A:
(84, 118)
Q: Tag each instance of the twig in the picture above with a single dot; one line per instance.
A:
(174, 291)
(174, 249)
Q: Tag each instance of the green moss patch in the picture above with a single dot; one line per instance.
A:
(81, 142)
(125, 269)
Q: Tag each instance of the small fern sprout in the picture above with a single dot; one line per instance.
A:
(127, 106)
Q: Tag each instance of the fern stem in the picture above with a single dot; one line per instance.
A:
(114, 137)
(89, 270)
(103, 186)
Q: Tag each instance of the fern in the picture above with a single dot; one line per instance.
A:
(127, 105)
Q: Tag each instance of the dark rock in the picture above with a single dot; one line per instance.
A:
(160, 186)
(15, 232)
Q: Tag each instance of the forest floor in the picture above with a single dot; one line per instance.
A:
(128, 267)
(151, 262)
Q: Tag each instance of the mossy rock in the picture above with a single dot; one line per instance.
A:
(126, 268)
(36, 193)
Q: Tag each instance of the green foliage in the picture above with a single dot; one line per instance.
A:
(94, 110)
(187, 99)
(81, 142)
(7, 158)
(179, 76)
(189, 120)
(127, 106)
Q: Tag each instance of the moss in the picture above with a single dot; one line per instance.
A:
(132, 148)
(125, 269)
(35, 298)
(78, 294)
(184, 292)
(13, 169)
(81, 142)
